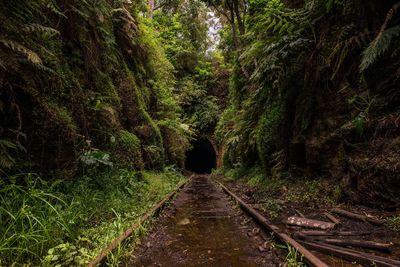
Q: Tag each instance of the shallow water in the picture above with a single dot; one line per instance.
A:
(202, 229)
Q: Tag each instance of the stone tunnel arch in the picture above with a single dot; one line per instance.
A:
(202, 158)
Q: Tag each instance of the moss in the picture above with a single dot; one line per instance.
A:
(102, 70)
(127, 149)
(267, 132)
(154, 153)
(106, 88)
(59, 115)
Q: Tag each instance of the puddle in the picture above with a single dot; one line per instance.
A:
(202, 229)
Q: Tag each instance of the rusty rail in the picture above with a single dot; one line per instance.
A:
(363, 258)
(309, 257)
(117, 241)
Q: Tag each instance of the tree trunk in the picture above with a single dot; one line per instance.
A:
(238, 17)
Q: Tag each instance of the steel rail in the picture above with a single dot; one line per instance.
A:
(309, 257)
(351, 255)
(119, 240)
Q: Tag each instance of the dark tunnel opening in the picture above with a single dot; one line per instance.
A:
(202, 157)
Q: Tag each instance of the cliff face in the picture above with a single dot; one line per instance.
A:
(352, 137)
(84, 78)
(321, 98)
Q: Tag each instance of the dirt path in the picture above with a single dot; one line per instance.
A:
(201, 228)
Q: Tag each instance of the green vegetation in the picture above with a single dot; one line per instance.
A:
(293, 258)
(199, 88)
(97, 97)
(93, 72)
(310, 81)
(72, 221)
(275, 194)
(277, 106)
(393, 222)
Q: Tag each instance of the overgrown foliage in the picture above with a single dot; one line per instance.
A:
(86, 103)
(198, 69)
(68, 223)
(83, 73)
(320, 75)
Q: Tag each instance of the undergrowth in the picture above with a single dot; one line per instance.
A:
(66, 223)
(294, 258)
(275, 193)
(393, 223)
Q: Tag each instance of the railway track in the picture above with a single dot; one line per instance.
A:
(201, 228)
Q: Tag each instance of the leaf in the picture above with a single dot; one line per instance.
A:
(17, 47)
(359, 124)
(378, 47)
(329, 5)
(34, 27)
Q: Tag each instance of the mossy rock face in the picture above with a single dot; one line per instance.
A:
(127, 150)
(175, 145)
(103, 82)
(153, 147)
(108, 117)
(268, 139)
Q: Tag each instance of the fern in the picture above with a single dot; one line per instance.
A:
(30, 55)
(329, 4)
(382, 42)
(34, 27)
(378, 47)
(343, 48)
(6, 160)
(8, 61)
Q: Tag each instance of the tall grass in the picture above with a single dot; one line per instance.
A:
(68, 222)
(30, 219)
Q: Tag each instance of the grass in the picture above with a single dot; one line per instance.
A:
(393, 222)
(66, 223)
(294, 258)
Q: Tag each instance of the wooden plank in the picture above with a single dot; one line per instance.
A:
(309, 257)
(335, 233)
(332, 218)
(351, 255)
(119, 240)
(309, 223)
(358, 243)
(356, 216)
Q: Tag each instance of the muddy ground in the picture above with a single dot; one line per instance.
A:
(202, 227)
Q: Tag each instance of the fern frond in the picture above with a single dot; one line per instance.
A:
(34, 27)
(378, 47)
(389, 16)
(6, 160)
(17, 47)
(55, 9)
(9, 63)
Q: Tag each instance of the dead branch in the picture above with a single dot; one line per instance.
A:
(304, 222)
(358, 243)
(358, 217)
(332, 218)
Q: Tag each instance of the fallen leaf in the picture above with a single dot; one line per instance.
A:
(184, 221)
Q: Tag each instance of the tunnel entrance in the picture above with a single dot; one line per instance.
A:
(202, 157)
